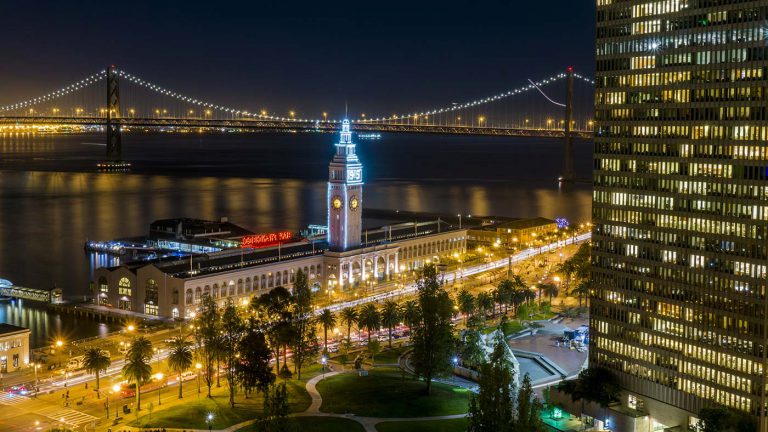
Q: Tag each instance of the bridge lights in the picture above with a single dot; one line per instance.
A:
(292, 114)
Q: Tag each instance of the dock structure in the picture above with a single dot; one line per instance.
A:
(7, 289)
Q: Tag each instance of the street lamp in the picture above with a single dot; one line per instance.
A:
(106, 404)
(324, 360)
(198, 366)
(116, 390)
(159, 376)
(209, 420)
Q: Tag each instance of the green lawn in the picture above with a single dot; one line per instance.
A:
(191, 412)
(389, 355)
(453, 425)
(384, 393)
(316, 424)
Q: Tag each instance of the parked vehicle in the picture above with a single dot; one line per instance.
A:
(76, 363)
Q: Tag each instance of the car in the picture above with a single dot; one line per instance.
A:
(19, 390)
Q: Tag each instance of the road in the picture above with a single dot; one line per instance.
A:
(467, 271)
(49, 409)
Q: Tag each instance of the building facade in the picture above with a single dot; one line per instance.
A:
(680, 212)
(14, 347)
(348, 260)
(522, 232)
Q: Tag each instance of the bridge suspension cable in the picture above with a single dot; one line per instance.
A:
(500, 112)
(85, 82)
(455, 107)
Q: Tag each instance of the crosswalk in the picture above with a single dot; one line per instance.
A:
(59, 414)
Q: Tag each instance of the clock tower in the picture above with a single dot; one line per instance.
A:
(345, 194)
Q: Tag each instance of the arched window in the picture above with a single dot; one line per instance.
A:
(279, 279)
(188, 296)
(248, 286)
(124, 287)
(263, 282)
(103, 285)
(150, 292)
(285, 277)
(271, 280)
(198, 294)
(207, 291)
(231, 288)
(175, 298)
(239, 286)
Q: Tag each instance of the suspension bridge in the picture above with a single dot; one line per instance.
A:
(132, 103)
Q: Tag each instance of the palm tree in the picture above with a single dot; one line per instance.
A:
(582, 289)
(369, 319)
(484, 303)
(466, 303)
(504, 294)
(390, 317)
(180, 357)
(349, 316)
(137, 368)
(96, 361)
(410, 313)
(327, 320)
(550, 290)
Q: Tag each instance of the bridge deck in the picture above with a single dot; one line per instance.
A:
(268, 124)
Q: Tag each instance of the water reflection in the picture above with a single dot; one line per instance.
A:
(51, 202)
(46, 326)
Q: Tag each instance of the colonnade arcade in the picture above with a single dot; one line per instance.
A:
(359, 270)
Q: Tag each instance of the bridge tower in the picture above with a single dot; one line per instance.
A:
(114, 160)
(568, 173)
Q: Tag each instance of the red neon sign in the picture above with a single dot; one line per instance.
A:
(264, 240)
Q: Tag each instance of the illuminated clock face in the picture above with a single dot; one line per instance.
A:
(354, 203)
(336, 202)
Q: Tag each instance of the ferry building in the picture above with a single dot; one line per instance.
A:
(346, 260)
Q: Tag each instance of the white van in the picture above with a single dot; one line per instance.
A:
(76, 363)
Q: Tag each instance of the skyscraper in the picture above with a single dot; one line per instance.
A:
(679, 309)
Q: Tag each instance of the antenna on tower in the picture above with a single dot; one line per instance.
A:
(346, 109)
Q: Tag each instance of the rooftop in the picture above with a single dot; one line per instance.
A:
(10, 328)
(236, 258)
(526, 223)
(191, 229)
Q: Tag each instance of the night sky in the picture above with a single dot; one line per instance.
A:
(308, 56)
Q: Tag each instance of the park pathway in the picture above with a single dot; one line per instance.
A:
(368, 423)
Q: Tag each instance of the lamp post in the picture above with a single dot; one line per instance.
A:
(116, 389)
(159, 377)
(455, 365)
(324, 360)
(209, 420)
(106, 404)
(198, 366)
